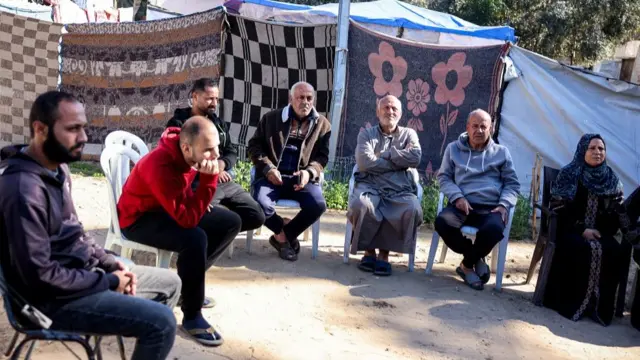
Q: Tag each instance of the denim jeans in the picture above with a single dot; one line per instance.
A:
(152, 323)
(312, 205)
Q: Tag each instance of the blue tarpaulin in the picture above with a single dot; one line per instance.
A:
(399, 14)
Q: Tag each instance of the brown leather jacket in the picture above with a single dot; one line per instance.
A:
(267, 144)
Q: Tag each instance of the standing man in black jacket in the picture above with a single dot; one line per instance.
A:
(204, 96)
(48, 258)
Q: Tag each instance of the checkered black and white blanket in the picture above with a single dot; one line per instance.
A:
(262, 61)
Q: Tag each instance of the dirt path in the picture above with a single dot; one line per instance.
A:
(324, 309)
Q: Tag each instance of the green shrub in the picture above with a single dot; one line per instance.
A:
(520, 227)
(243, 174)
(336, 194)
(86, 168)
(337, 197)
(430, 202)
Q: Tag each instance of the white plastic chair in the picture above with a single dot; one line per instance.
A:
(498, 256)
(349, 232)
(129, 140)
(286, 203)
(115, 160)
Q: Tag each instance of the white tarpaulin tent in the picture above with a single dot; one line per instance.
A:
(549, 106)
(186, 7)
(26, 9)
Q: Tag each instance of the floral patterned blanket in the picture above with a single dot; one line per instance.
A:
(438, 87)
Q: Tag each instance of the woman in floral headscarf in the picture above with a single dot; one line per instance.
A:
(585, 270)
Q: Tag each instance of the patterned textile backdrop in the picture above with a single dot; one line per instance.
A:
(132, 76)
(262, 61)
(28, 68)
(438, 88)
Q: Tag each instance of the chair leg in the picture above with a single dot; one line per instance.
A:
(634, 288)
(315, 238)
(626, 250)
(250, 238)
(127, 252)
(91, 355)
(259, 231)
(502, 259)
(443, 253)
(12, 344)
(348, 234)
(306, 235)
(432, 253)
(123, 355)
(231, 250)
(545, 267)
(96, 349)
(412, 257)
(536, 257)
(163, 259)
(494, 256)
(30, 350)
(18, 350)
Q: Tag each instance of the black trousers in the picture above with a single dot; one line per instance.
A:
(490, 228)
(198, 248)
(232, 196)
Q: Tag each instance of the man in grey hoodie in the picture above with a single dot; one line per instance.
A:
(479, 179)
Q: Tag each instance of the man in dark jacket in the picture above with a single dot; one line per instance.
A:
(48, 258)
(204, 97)
(289, 150)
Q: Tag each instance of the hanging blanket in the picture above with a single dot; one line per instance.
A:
(438, 87)
(28, 68)
(262, 61)
(132, 76)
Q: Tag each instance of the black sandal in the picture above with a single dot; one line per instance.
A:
(284, 249)
(295, 245)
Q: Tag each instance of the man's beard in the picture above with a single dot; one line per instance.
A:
(208, 111)
(57, 153)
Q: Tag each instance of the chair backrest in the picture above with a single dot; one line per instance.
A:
(413, 171)
(128, 140)
(550, 174)
(111, 161)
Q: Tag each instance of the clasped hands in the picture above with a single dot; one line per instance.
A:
(463, 205)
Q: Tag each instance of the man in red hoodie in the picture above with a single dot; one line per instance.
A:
(158, 208)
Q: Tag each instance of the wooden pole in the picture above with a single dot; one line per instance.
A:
(535, 193)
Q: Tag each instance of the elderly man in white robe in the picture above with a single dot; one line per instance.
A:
(384, 210)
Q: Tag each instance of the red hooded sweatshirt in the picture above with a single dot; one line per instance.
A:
(161, 180)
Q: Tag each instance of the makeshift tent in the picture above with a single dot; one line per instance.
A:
(549, 106)
(26, 9)
(153, 13)
(186, 7)
(386, 16)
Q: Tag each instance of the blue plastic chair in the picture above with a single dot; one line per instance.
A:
(37, 328)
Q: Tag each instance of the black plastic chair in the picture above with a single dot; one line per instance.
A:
(35, 326)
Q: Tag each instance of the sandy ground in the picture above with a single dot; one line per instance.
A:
(324, 309)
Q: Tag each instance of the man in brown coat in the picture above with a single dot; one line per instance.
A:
(289, 150)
